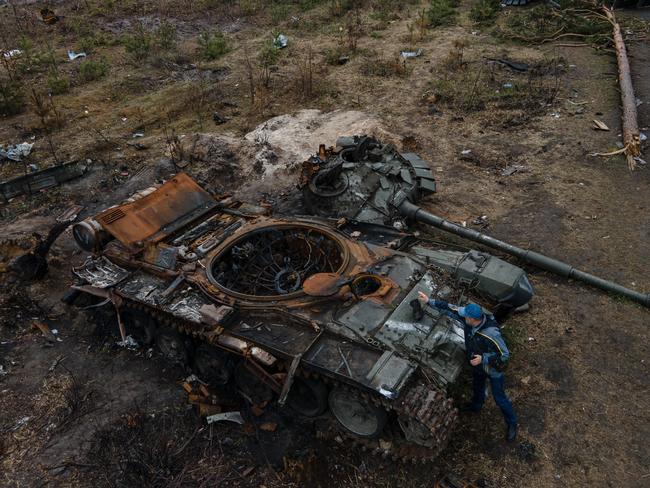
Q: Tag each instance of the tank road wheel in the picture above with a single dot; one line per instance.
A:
(172, 346)
(140, 326)
(415, 431)
(253, 388)
(356, 414)
(212, 365)
(308, 397)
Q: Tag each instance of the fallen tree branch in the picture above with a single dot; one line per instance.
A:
(631, 137)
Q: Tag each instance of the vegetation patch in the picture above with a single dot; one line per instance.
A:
(212, 45)
(57, 85)
(441, 12)
(90, 70)
(385, 67)
(12, 97)
(485, 11)
(138, 43)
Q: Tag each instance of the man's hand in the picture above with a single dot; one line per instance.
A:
(423, 297)
(476, 360)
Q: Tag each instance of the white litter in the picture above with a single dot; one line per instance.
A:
(12, 53)
(73, 55)
(411, 54)
(16, 152)
(129, 343)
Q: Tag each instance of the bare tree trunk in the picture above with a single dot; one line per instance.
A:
(631, 138)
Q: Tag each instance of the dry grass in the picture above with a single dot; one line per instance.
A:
(480, 85)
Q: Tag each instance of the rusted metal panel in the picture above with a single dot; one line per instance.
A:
(175, 204)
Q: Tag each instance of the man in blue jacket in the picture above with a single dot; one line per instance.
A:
(487, 353)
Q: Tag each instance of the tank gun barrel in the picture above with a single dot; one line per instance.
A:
(416, 213)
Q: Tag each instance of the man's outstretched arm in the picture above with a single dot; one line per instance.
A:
(445, 307)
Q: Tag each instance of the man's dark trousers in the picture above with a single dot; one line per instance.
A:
(479, 378)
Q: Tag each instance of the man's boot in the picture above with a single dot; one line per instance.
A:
(511, 432)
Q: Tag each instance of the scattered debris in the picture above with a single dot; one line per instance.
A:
(20, 423)
(16, 152)
(48, 16)
(218, 118)
(128, 343)
(515, 3)
(70, 214)
(517, 66)
(343, 60)
(73, 55)
(411, 54)
(280, 41)
(3, 371)
(481, 221)
(512, 169)
(55, 363)
(41, 180)
(600, 125)
(137, 135)
(206, 402)
(385, 445)
(12, 53)
(138, 145)
(575, 108)
(226, 417)
(269, 426)
(45, 330)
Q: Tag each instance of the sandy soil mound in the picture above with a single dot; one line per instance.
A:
(294, 137)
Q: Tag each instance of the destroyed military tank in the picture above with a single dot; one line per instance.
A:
(320, 313)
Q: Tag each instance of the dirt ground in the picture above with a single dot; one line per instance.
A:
(77, 411)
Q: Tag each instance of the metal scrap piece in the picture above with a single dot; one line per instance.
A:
(226, 416)
(70, 214)
(100, 272)
(41, 180)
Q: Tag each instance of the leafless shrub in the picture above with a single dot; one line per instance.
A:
(175, 149)
(49, 116)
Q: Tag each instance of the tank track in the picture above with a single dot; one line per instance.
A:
(421, 402)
